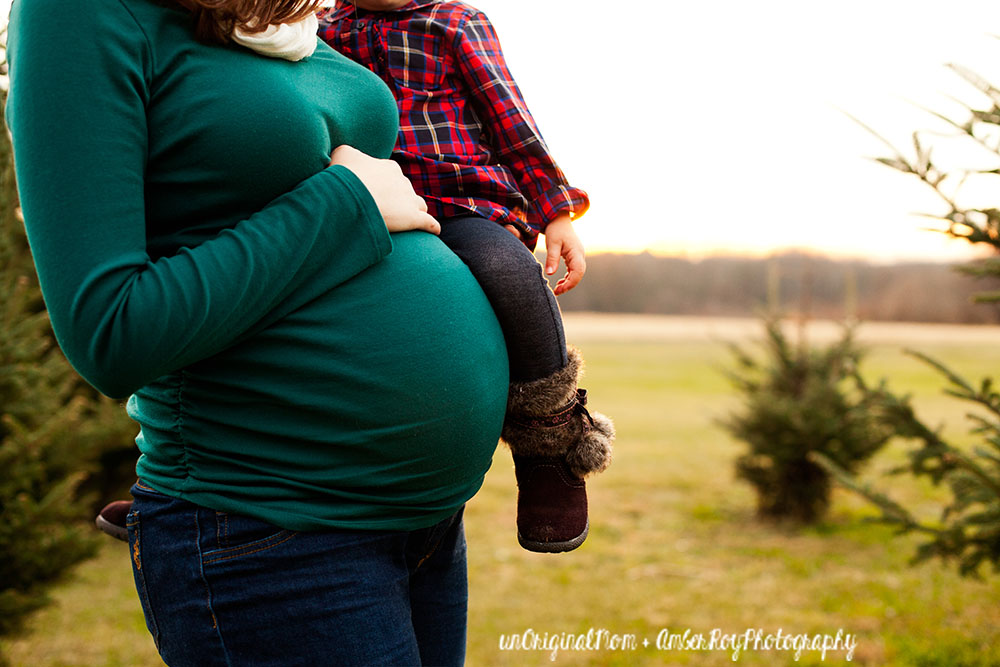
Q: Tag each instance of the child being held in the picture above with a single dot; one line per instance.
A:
(471, 149)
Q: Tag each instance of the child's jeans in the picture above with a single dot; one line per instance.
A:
(224, 589)
(512, 279)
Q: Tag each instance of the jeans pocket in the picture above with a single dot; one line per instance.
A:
(237, 535)
(443, 541)
(133, 524)
(143, 488)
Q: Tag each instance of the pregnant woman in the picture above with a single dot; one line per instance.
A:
(319, 382)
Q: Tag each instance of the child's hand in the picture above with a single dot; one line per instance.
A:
(561, 241)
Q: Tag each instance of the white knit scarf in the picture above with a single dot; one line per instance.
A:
(291, 41)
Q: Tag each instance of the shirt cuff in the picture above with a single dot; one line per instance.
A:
(560, 199)
(371, 218)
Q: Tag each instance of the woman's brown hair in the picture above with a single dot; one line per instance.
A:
(216, 19)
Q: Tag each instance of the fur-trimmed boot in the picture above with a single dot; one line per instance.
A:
(555, 442)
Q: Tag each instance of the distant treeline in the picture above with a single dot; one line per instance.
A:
(812, 285)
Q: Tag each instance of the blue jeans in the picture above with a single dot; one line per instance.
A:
(224, 589)
(512, 280)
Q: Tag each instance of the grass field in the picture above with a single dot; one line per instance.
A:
(674, 543)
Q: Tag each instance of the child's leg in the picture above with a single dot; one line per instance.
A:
(513, 282)
(554, 440)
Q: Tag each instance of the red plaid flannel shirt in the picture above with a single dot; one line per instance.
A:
(466, 138)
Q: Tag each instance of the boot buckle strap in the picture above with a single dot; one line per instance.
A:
(562, 417)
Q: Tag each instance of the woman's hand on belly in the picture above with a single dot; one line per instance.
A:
(401, 208)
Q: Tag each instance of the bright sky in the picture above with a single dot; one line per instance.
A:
(719, 125)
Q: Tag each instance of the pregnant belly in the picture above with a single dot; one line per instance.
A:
(400, 373)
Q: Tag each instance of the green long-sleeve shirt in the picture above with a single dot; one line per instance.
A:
(288, 359)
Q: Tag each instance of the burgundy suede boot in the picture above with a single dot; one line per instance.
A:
(111, 519)
(551, 505)
(555, 442)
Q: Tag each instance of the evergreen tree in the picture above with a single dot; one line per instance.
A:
(968, 530)
(799, 400)
(979, 225)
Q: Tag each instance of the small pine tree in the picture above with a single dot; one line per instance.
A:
(799, 400)
(969, 528)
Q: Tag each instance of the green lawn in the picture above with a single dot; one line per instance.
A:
(674, 544)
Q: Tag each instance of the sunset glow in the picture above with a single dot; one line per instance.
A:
(725, 127)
